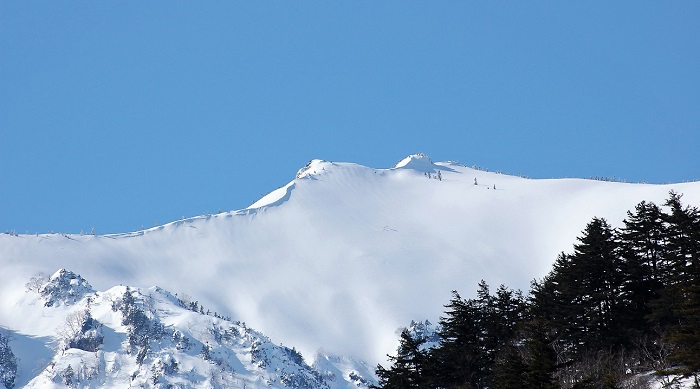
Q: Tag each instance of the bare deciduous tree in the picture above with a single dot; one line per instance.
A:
(36, 282)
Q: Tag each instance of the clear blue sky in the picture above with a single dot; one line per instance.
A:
(122, 114)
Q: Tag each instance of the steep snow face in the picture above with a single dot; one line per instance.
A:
(344, 254)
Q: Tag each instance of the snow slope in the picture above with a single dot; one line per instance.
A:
(344, 254)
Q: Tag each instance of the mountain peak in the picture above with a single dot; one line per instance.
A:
(314, 166)
(419, 162)
(64, 288)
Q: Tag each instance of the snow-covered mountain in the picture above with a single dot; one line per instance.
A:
(126, 337)
(336, 260)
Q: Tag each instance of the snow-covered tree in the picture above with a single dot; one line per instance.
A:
(8, 363)
(68, 376)
(81, 331)
(36, 282)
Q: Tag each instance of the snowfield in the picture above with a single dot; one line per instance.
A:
(336, 260)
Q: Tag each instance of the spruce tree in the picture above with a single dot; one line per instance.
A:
(459, 357)
(642, 251)
(509, 312)
(8, 363)
(68, 376)
(557, 301)
(540, 358)
(682, 295)
(408, 368)
(581, 297)
(509, 370)
(601, 281)
(473, 334)
(502, 319)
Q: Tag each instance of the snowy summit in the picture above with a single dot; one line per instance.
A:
(419, 162)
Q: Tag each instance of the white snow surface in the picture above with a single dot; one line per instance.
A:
(343, 255)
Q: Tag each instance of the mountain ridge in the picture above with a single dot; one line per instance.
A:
(344, 254)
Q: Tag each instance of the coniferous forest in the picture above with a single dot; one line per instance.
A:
(625, 302)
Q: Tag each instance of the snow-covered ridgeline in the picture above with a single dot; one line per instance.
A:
(344, 254)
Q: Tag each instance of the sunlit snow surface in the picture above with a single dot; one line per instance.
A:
(343, 255)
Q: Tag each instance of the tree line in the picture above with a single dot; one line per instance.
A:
(625, 301)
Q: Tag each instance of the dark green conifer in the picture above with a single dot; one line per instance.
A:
(408, 368)
(459, 357)
(682, 295)
(580, 298)
(645, 272)
(509, 370)
(540, 358)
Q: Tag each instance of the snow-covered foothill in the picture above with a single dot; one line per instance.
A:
(344, 372)
(151, 338)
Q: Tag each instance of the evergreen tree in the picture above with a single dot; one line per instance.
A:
(83, 331)
(409, 366)
(206, 352)
(546, 330)
(472, 336)
(581, 297)
(683, 236)
(509, 312)
(682, 296)
(509, 370)
(642, 250)
(68, 376)
(557, 301)
(509, 365)
(501, 316)
(601, 281)
(541, 362)
(488, 326)
(8, 363)
(459, 357)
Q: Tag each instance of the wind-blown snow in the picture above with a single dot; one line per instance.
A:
(344, 254)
